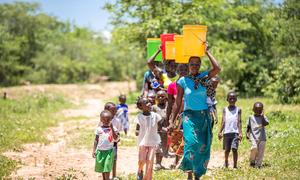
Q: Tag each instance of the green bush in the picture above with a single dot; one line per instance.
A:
(285, 86)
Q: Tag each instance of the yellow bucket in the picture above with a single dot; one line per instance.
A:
(179, 56)
(194, 38)
(170, 50)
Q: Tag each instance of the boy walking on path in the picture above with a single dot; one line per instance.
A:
(257, 134)
(231, 129)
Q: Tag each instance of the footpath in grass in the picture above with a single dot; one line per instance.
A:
(25, 120)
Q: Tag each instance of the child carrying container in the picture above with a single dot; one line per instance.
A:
(257, 135)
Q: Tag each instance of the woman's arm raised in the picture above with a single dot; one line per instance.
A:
(151, 60)
(215, 66)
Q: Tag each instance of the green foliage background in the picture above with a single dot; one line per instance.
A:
(255, 41)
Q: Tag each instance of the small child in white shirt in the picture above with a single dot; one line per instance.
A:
(103, 151)
(231, 129)
(117, 123)
(148, 137)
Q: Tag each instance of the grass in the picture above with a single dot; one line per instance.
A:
(7, 165)
(282, 155)
(83, 138)
(25, 120)
(161, 175)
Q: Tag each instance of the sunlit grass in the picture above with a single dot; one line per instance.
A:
(25, 120)
(282, 155)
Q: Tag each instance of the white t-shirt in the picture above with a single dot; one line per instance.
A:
(106, 140)
(117, 123)
(122, 114)
(148, 135)
(231, 121)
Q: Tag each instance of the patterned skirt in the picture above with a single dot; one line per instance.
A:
(197, 136)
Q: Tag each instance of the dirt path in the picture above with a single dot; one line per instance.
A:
(58, 160)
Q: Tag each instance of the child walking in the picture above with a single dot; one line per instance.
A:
(122, 111)
(231, 128)
(103, 152)
(148, 138)
(161, 109)
(257, 134)
(117, 123)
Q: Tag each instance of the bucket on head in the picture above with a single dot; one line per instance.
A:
(152, 46)
(170, 50)
(179, 56)
(194, 38)
(164, 38)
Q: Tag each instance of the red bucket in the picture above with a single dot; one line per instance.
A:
(164, 38)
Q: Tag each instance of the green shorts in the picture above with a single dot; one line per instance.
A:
(104, 160)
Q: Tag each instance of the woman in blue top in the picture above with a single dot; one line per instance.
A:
(195, 118)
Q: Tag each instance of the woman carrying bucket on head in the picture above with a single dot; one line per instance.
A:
(196, 120)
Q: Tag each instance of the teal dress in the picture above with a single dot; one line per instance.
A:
(197, 131)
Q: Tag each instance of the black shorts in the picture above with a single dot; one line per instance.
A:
(230, 141)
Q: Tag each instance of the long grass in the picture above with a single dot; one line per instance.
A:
(25, 120)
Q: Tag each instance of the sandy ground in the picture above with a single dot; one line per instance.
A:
(56, 159)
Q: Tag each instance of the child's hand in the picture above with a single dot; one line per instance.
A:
(165, 129)
(247, 135)
(262, 113)
(220, 135)
(94, 155)
(240, 137)
(170, 128)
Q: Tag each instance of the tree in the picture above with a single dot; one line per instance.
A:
(239, 31)
(285, 85)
